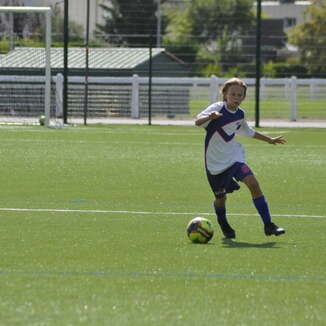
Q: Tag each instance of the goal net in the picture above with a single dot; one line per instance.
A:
(25, 65)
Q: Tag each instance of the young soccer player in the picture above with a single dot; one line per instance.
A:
(225, 158)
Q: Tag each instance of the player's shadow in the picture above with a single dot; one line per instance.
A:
(228, 243)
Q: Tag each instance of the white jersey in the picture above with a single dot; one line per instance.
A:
(221, 150)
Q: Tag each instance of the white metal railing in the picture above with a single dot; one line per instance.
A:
(290, 87)
(135, 90)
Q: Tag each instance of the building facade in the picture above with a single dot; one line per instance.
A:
(291, 12)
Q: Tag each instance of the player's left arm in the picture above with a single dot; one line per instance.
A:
(270, 140)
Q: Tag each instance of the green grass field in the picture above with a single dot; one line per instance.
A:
(93, 219)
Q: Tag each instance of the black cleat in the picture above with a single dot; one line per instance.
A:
(228, 232)
(273, 229)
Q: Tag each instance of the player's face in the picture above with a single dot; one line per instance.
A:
(234, 96)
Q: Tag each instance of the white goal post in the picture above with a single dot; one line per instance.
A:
(47, 12)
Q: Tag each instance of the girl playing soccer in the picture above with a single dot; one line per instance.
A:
(225, 159)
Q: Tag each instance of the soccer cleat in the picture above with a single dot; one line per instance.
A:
(228, 232)
(273, 229)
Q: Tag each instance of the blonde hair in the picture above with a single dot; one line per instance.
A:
(231, 82)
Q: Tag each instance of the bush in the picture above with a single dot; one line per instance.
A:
(242, 70)
(4, 45)
(282, 70)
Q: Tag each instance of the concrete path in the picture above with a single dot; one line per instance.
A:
(263, 123)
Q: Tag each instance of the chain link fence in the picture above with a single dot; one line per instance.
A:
(157, 70)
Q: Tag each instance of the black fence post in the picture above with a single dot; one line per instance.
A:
(258, 63)
(86, 65)
(65, 60)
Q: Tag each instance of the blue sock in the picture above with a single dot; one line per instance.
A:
(262, 208)
(220, 213)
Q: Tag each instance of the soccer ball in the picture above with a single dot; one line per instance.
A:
(200, 230)
(41, 120)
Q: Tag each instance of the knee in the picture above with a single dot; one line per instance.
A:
(253, 185)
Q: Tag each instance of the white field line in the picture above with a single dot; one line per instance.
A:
(50, 210)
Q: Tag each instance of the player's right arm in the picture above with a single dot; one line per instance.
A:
(202, 119)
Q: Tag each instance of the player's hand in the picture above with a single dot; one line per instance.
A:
(215, 115)
(277, 140)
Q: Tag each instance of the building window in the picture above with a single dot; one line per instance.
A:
(289, 21)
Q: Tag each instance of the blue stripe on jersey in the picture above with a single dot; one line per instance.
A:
(216, 125)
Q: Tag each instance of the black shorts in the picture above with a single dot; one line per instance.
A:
(226, 182)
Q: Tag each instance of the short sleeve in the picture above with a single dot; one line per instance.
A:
(213, 107)
(245, 130)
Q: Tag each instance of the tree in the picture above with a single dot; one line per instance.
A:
(215, 29)
(310, 38)
(129, 22)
